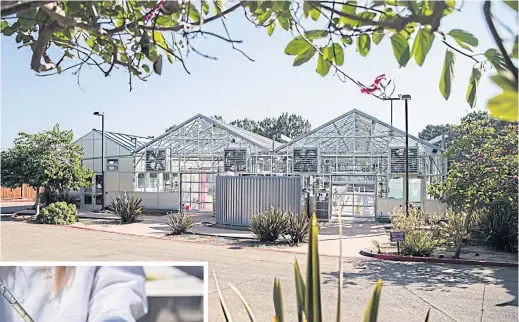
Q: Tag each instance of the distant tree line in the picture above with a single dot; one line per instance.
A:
(290, 125)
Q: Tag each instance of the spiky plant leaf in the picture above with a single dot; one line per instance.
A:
(278, 300)
(372, 309)
(245, 304)
(313, 278)
(222, 302)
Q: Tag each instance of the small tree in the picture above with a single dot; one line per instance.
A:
(48, 159)
(484, 171)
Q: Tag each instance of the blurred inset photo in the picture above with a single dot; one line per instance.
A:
(113, 292)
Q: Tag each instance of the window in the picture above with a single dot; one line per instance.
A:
(153, 181)
(87, 199)
(112, 164)
(140, 180)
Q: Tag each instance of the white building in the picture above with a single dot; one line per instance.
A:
(118, 165)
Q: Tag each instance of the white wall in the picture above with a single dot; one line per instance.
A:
(116, 181)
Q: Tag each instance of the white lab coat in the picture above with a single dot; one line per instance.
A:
(96, 294)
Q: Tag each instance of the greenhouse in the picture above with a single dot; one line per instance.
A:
(354, 162)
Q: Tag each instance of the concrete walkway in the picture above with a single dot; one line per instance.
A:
(357, 234)
(452, 292)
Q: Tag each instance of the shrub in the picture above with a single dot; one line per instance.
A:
(179, 223)
(423, 233)
(269, 225)
(418, 243)
(127, 208)
(58, 213)
(498, 227)
(308, 300)
(297, 228)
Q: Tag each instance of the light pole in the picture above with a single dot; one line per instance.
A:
(102, 156)
(406, 98)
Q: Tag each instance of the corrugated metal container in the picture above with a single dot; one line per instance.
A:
(239, 198)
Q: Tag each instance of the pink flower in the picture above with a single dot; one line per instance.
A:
(155, 11)
(379, 79)
(369, 90)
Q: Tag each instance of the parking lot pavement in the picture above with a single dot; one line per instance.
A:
(453, 292)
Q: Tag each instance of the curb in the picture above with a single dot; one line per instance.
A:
(402, 258)
(203, 243)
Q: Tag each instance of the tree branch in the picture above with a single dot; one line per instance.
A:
(499, 42)
(14, 7)
(39, 48)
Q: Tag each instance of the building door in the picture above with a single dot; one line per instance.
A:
(92, 197)
(354, 195)
(197, 191)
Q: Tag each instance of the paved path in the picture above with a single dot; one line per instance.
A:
(455, 293)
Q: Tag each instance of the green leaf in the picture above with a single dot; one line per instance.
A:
(146, 68)
(372, 309)
(512, 4)
(421, 46)
(348, 9)
(58, 68)
(447, 76)
(304, 56)
(496, 59)
(8, 31)
(316, 34)
(315, 13)
(222, 302)
(400, 49)
(300, 291)
(463, 37)
(278, 301)
(284, 22)
(4, 25)
(297, 46)
(378, 36)
(194, 14)
(323, 65)
(306, 9)
(271, 27)
(473, 87)
(245, 304)
(504, 106)
(505, 80)
(159, 39)
(347, 40)
(336, 54)
(164, 21)
(313, 276)
(205, 7)
(363, 44)
(219, 6)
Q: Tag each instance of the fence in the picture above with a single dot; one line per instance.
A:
(23, 193)
(239, 198)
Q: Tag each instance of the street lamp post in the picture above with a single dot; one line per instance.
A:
(405, 98)
(102, 156)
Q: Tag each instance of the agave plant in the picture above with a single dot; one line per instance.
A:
(308, 293)
(127, 207)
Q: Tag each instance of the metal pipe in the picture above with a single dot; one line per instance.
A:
(406, 158)
(103, 160)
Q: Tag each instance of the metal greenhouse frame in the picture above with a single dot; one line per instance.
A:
(194, 155)
(355, 163)
(356, 167)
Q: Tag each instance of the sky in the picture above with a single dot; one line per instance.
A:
(235, 87)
